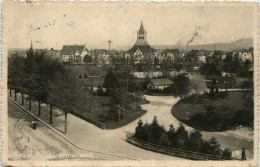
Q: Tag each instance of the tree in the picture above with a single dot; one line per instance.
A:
(111, 82)
(226, 152)
(39, 79)
(195, 140)
(156, 61)
(182, 137)
(87, 59)
(16, 74)
(177, 64)
(139, 130)
(210, 70)
(172, 136)
(198, 84)
(214, 147)
(181, 86)
(64, 92)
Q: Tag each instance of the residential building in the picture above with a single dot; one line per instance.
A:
(73, 53)
(159, 84)
(170, 55)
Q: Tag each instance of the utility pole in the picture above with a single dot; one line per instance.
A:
(91, 103)
(109, 42)
(126, 75)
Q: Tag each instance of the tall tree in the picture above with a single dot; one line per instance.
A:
(64, 92)
(181, 86)
(111, 82)
(39, 78)
(198, 84)
(195, 140)
(87, 59)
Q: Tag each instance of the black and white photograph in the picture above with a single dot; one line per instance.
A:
(129, 83)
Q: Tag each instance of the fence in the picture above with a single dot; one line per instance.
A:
(89, 119)
(86, 118)
(175, 152)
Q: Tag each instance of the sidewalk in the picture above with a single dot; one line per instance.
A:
(88, 137)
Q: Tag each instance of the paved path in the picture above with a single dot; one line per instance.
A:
(89, 137)
(41, 144)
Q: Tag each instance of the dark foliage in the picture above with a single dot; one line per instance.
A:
(179, 138)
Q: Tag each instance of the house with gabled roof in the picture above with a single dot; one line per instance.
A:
(159, 84)
(73, 53)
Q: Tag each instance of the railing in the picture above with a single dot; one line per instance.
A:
(89, 119)
(174, 151)
(86, 118)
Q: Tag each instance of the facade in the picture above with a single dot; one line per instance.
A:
(99, 56)
(73, 53)
(149, 74)
(243, 56)
(159, 84)
(170, 55)
(141, 52)
(54, 54)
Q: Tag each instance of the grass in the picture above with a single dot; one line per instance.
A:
(225, 108)
(98, 108)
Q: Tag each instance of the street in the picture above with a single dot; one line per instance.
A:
(87, 136)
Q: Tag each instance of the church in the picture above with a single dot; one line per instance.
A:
(141, 52)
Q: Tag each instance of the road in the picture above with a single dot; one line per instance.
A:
(24, 143)
(89, 137)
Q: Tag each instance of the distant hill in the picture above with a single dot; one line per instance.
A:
(239, 44)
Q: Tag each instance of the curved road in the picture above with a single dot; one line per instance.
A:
(88, 136)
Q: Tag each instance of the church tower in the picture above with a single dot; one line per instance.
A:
(141, 35)
(30, 51)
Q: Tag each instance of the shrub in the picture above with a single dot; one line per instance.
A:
(244, 117)
(179, 138)
(226, 152)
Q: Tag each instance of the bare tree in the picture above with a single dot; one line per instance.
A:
(198, 84)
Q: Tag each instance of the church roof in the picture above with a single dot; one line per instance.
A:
(145, 49)
(141, 30)
(72, 49)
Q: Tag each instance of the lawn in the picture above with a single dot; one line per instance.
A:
(213, 114)
(97, 108)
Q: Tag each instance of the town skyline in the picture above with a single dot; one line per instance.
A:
(172, 27)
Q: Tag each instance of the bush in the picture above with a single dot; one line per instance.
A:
(179, 138)
(244, 117)
(226, 152)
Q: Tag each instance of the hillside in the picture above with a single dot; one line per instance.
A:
(239, 44)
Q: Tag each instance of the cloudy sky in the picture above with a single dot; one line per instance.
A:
(93, 24)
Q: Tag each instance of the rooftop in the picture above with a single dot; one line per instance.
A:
(72, 49)
(145, 49)
(159, 82)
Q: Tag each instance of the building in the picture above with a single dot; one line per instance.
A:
(141, 52)
(73, 53)
(54, 54)
(170, 55)
(159, 84)
(147, 74)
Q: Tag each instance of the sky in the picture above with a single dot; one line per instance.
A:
(52, 25)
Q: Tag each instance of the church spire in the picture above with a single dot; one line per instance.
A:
(141, 35)
(141, 30)
(31, 48)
